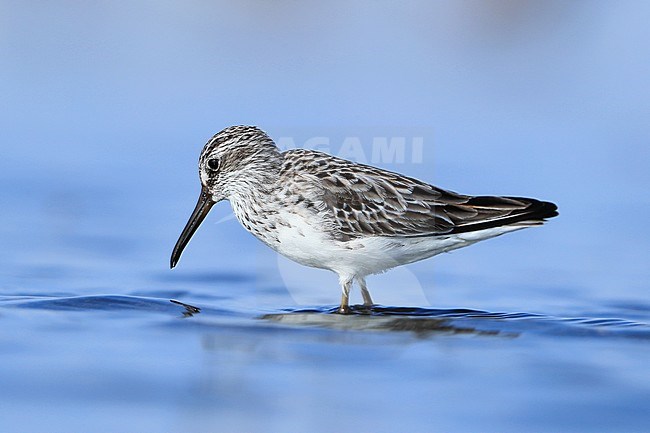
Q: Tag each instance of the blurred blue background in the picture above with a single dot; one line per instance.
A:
(106, 106)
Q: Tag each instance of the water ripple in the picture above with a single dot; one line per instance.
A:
(421, 321)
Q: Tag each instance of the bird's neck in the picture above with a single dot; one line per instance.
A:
(252, 199)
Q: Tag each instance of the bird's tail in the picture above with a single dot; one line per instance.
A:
(506, 211)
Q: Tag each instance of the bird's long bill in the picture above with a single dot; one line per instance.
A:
(202, 208)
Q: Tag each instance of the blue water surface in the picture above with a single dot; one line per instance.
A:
(105, 110)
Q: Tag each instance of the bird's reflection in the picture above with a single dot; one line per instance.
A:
(190, 310)
(420, 321)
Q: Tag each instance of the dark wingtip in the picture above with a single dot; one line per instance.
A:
(536, 211)
(542, 210)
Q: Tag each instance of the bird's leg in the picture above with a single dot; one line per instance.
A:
(346, 285)
(367, 299)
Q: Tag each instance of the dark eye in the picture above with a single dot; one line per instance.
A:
(213, 164)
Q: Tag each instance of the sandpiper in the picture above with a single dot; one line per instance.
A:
(330, 213)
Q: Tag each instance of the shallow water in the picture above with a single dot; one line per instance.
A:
(141, 362)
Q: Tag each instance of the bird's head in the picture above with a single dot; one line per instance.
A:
(233, 162)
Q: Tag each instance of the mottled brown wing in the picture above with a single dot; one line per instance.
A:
(366, 200)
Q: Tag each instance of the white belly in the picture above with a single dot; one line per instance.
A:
(305, 242)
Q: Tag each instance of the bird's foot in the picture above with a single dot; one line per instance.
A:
(344, 309)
